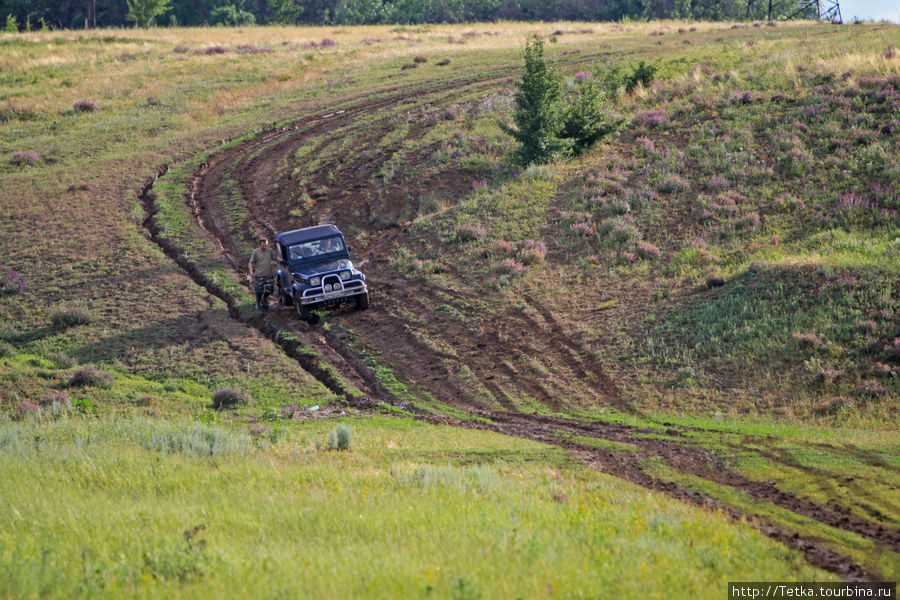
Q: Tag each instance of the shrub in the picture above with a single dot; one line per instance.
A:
(651, 119)
(28, 410)
(230, 397)
(871, 388)
(6, 349)
(503, 247)
(91, 375)
(259, 430)
(671, 184)
(420, 59)
(890, 52)
(749, 221)
(61, 360)
(834, 406)
(582, 228)
(647, 250)
(85, 106)
(211, 50)
(12, 282)
(408, 65)
(511, 266)
(55, 398)
(532, 252)
(26, 158)
(443, 62)
(618, 79)
(469, 233)
(55, 405)
(64, 319)
(806, 340)
(615, 208)
(619, 230)
(340, 438)
(585, 120)
(327, 43)
(247, 49)
(715, 280)
(180, 49)
(641, 73)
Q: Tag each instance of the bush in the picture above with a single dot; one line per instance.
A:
(586, 121)
(532, 252)
(230, 397)
(64, 319)
(91, 375)
(340, 438)
(617, 79)
(26, 158)
(470, 233)
(6, 349)
(85, 106)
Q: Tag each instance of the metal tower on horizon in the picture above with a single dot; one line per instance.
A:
(826, 10)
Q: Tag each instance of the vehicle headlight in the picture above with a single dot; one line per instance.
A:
(314, 281)
(345, 275)
(327, 287)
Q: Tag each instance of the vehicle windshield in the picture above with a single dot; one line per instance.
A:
(315, 248)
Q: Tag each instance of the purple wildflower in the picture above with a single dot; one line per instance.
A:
(651, 118)
(582, 228)
(512, 266)
(26, 158)
(85, 106)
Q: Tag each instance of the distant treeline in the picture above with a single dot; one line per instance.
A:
(72, 14)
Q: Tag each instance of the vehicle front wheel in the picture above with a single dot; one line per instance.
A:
(286, 300)
(303, 311)
(362, 301)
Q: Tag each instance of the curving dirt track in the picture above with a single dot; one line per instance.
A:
(478, 366)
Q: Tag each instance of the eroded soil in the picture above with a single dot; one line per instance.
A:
(481, 363)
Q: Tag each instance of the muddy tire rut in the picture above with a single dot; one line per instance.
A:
(482, 365)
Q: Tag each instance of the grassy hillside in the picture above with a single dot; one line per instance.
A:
(705, 304)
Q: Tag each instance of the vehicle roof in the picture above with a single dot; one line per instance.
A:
(304, 235)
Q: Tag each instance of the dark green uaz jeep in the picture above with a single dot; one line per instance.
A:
(315, 271)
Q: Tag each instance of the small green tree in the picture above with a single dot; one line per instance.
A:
(586, 120)
(538, 118)
(143, 12)
(11, 25)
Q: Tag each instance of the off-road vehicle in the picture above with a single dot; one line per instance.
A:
(315, 271)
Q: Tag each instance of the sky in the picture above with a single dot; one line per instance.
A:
(874, 10)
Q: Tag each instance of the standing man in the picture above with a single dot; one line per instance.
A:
(262, 273)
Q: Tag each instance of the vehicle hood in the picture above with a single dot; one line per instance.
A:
(309, 269)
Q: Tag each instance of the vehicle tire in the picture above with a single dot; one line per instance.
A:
(285, 299)
(362, 301)
(303, 311)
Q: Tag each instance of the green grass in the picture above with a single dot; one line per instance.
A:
(129, 509)
(870, 555)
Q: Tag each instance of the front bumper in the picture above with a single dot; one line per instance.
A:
(340, 290)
